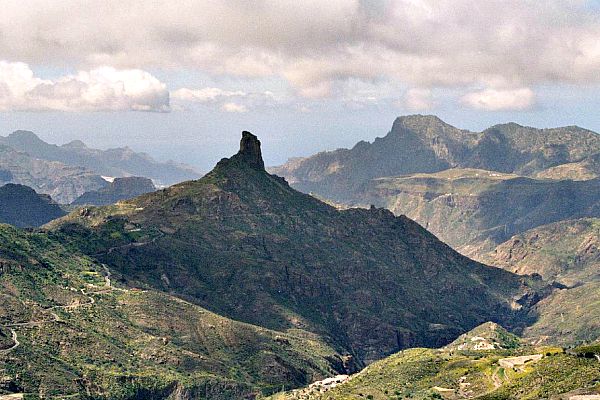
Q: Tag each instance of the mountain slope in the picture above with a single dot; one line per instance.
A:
(524, 372)
(21, 206)
(117, 162)
(62, 182)
(426, 144)
(567, 252)
(67, 331)
(475, 210)
(245, 245)
(119, 189)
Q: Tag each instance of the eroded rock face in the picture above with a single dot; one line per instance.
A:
(250, 151)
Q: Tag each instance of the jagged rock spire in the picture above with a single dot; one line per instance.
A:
(250, 151)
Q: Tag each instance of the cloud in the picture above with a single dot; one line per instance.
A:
(100, 89)
(495, 100)
(228, 100)
(418, 99)
(318, 46)
(234, 108)
(205, 95)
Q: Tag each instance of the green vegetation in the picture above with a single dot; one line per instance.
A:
(76, 335)
(456, 374)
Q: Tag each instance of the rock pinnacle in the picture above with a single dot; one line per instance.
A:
(250, 151)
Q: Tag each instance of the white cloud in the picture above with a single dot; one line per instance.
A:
(234, 108)
(418, 99)
(495, 100)
(101, 89)
(205, 95)
(318, 45)
(228, 100)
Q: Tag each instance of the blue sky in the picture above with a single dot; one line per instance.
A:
(181, 80)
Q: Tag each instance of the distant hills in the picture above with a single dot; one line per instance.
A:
(62, 182)
(118, 189)
(66, 172)
(21, 206)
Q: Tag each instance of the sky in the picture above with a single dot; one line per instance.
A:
(180, 80)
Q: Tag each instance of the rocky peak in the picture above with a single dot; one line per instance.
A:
(250, 151)
(75, 144)
(23, 137)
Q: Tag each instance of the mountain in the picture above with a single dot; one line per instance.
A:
(245, 245)
(426, 144)
(119, 162)
(487, 336)
(66, 331)
(522, 372)
(62, 182)
(588, 168)
(21, 206)
(475, 210)
(117, 190)
(567, 252)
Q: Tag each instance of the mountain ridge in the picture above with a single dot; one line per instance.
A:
(426, 144)
(115, 162)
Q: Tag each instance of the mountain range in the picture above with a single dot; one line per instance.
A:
(238, 286)
(474, 190)
(264, 287)
(66, 172)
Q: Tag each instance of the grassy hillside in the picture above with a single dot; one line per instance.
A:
(66, 330)
(521, 373)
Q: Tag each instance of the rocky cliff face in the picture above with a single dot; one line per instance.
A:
(21, 206)
(244, 244)
(62, 182)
